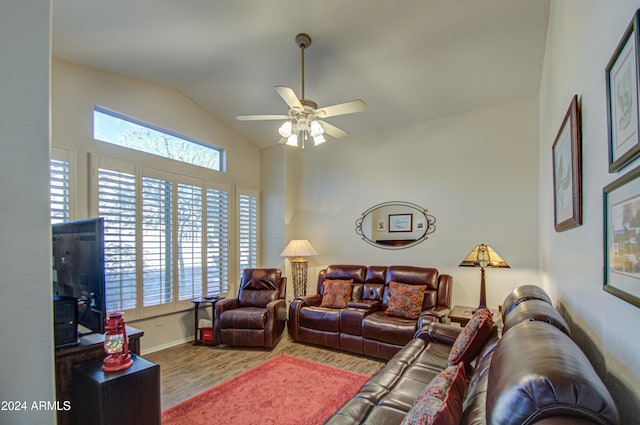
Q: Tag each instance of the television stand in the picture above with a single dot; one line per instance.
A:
(89, 348)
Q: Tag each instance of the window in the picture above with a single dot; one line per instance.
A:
(248, 225)
(164, 230)
(117, 204)
(60, 189)
(118, 129)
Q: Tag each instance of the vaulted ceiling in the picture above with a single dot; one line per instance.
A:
(409, 60)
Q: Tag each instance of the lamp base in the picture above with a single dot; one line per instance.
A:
(299, 268)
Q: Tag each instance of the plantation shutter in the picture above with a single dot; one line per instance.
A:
(59, 191)
(189, 241)
(217, 237)
(248, 214)
(157, 240)
(117, 204)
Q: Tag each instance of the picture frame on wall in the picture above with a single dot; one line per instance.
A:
(400, 222)
(567, 171)
(622, 73)
(621, 200)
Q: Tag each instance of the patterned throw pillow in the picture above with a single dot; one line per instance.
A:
(337, 293)
(405, 300)
(441, 401)
(471, 339)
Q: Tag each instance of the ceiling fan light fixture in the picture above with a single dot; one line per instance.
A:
(285, 129)
(318, 140)
(292, 140)
(316, 129)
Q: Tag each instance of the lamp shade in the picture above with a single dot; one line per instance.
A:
(483, 256)
(298, 248)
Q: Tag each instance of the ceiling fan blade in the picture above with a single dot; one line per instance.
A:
(342, 109)
(261, 117)
(289, 96)
(334, 131)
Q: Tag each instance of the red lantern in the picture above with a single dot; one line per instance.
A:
(116, 344)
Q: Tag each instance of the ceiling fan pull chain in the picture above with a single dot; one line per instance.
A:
(302, 49)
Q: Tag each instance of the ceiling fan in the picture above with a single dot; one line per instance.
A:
(305, 118)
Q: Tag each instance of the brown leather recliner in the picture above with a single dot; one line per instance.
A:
(257, 317)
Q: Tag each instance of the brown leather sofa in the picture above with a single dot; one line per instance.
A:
(363, 327)
(257, 317)
(528, 372)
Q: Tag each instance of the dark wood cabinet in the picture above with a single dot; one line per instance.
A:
(129, 396)
(88, 349)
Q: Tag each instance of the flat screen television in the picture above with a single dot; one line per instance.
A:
(78, 269)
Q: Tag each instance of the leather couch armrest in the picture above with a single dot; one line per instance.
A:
(439, 332)
(437, 313)
(310, 300)
(220, 307)
(365, 304)
(277, 309)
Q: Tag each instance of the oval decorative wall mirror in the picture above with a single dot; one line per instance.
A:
(395, 225)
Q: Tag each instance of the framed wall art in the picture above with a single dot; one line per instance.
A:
(621, 201)
(400, 222)
(567, 171)
(622, 99)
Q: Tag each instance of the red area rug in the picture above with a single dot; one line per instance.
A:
(285, 390)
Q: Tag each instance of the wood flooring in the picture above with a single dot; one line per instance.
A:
(187, 370)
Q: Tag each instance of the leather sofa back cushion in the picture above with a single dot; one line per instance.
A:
(337, 293)
(405, 300)
(259, 287)
(372, 291)
(346, 272)
(521, 294)
(555, 375)
(413, 276)
(535, 310)
(441, 401)
(470, 341)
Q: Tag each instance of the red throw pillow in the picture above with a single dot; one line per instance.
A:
(405, 300)
(470, 341)
(337, 293)
(441, 401)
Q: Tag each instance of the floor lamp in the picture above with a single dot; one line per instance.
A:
(483, 256)
(299, 249)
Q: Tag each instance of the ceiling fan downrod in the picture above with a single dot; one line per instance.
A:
(303, 41)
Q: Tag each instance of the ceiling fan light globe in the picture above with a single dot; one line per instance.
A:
(285, 129)
(292, 140)
(316, 129)
(318, 140)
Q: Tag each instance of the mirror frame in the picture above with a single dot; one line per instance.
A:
(398, 243)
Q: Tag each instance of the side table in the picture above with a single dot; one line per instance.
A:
(130, 396)
(462, 314)
(198, 339)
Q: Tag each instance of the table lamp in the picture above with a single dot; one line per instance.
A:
(483, 256)
(299, 248)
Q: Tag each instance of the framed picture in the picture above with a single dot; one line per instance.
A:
(567, 171)
(622, 99)
(621, 201)
(400, 222)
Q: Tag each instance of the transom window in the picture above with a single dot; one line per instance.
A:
(119, 129)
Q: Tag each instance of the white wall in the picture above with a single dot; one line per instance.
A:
(26, 327)
(581, 39)
(75, 91)
(475, 172)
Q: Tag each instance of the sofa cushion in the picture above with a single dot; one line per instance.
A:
(320, 318)
(470, 341)
(337, 293)
(405, 300)
(388, 329)
(441, 401)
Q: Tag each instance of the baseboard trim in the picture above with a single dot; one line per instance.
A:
(167, 345)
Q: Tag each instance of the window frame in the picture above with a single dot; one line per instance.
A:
(97, 162)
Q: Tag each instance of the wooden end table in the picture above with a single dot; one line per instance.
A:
(462, 314)
(198, 340)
